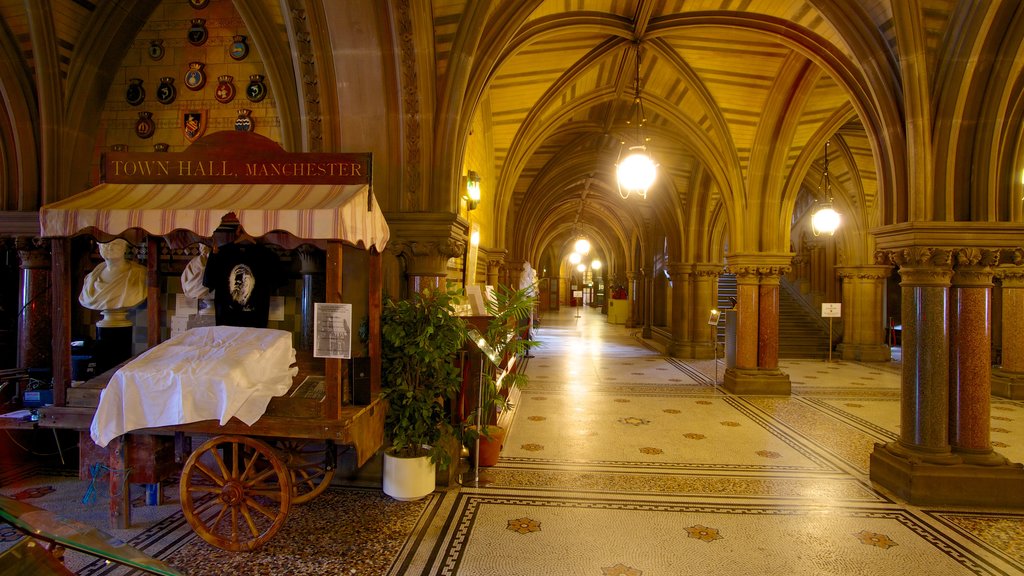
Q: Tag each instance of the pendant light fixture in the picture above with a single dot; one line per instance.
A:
(637, 171)
(825, 220)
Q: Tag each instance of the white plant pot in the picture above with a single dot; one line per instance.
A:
(408, 478)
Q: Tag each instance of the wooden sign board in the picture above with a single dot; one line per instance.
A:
(234, 157)
(831, 309)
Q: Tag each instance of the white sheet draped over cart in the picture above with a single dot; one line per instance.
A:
(211, 373)
(308, 211)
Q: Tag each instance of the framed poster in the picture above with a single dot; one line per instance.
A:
(332, 332)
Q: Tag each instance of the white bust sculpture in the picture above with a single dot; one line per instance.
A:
(115, 283)
(192, 276)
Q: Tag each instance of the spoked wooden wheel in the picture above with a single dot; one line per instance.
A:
(311, 464)
(235, 492)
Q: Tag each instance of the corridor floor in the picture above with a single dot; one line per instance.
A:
(621, 461)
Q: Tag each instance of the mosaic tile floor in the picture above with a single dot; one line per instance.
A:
(621, 461)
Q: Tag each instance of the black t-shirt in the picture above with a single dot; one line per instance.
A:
(243, 277)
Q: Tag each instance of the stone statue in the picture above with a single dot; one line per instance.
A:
(192, 280)
(114, 284)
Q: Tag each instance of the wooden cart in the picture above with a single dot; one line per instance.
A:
(237, 487)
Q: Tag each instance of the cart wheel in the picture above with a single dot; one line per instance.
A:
(235, 492)
(308, 461)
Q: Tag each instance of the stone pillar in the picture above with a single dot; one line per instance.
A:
(921, 467)
(768, 322)
(35, 342)
(424, 242)
(646, 303)
(705, 298)
(682, 294)
(863, 313)
(1008, 378)
(493, 266)
(970, 360)
(757, 340)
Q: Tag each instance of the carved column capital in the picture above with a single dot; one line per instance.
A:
(708, 270)
(678, 270)
(1011, 275)
(924, 266)
(34, 252)
(973, 266)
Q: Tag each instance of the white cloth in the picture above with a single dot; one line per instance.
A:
(192, 278)
(209, 373)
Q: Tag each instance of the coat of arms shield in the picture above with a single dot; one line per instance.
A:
(194, 124)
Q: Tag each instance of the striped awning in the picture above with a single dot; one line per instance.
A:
(307, 211)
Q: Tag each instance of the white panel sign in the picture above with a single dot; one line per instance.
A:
(831, 309)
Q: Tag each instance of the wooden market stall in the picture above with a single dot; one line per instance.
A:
(234, 181)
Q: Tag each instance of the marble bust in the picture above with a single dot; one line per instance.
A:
(116, 282)
(192, 276)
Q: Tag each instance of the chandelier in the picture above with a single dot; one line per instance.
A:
(825, 219)
(636, 172)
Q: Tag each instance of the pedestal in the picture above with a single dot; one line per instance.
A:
(922, 483)
(113, 345)
(757, 381)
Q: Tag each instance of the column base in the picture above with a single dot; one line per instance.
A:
(954, 484)
(1007, 384)
(691, 350)
(757, 381)
(865, 352)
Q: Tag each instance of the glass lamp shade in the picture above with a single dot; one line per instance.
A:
(575, 258)
(595, 264)
(825, 220)
(636, 173)
(581, 267)
(582, 246)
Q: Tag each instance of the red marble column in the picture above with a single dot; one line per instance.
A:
(1013, 319)
(970, 355)
(35, 342)
(747, 312)
(768, 323)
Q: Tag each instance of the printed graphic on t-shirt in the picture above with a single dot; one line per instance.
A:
(242, 277)
(242, 283)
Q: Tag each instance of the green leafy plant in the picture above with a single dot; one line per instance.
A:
(507, 335)
(420, 339)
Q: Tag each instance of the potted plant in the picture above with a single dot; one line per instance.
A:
(509, 310)
(420, 338)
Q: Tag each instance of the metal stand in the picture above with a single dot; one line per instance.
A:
(830, 339)
(479, 413)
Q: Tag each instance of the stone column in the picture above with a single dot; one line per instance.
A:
(756, 370)
(971, 356)
(922, 467)
(424, 242)
(768, 320)
(705, 298)
(682, 295)
(863, 313)
(35, 330)
(492, 272)
(647, 302)
(1008, 378)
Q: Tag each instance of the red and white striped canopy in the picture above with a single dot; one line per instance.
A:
(307, 211)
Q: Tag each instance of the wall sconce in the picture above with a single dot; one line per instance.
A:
(472, 190)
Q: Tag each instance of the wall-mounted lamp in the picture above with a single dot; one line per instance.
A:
(472, 190)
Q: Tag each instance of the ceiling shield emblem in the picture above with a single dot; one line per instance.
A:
(135, 94)
(225, 89)
(156, 49)
(144, 126)
(166, 92)
(256, 91)
(244, 122)
(198, 34)
(195, 78)
(238, 49)
(194, 124)
(198, 4)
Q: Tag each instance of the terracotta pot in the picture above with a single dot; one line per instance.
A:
(490, 448)
(408, 478)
